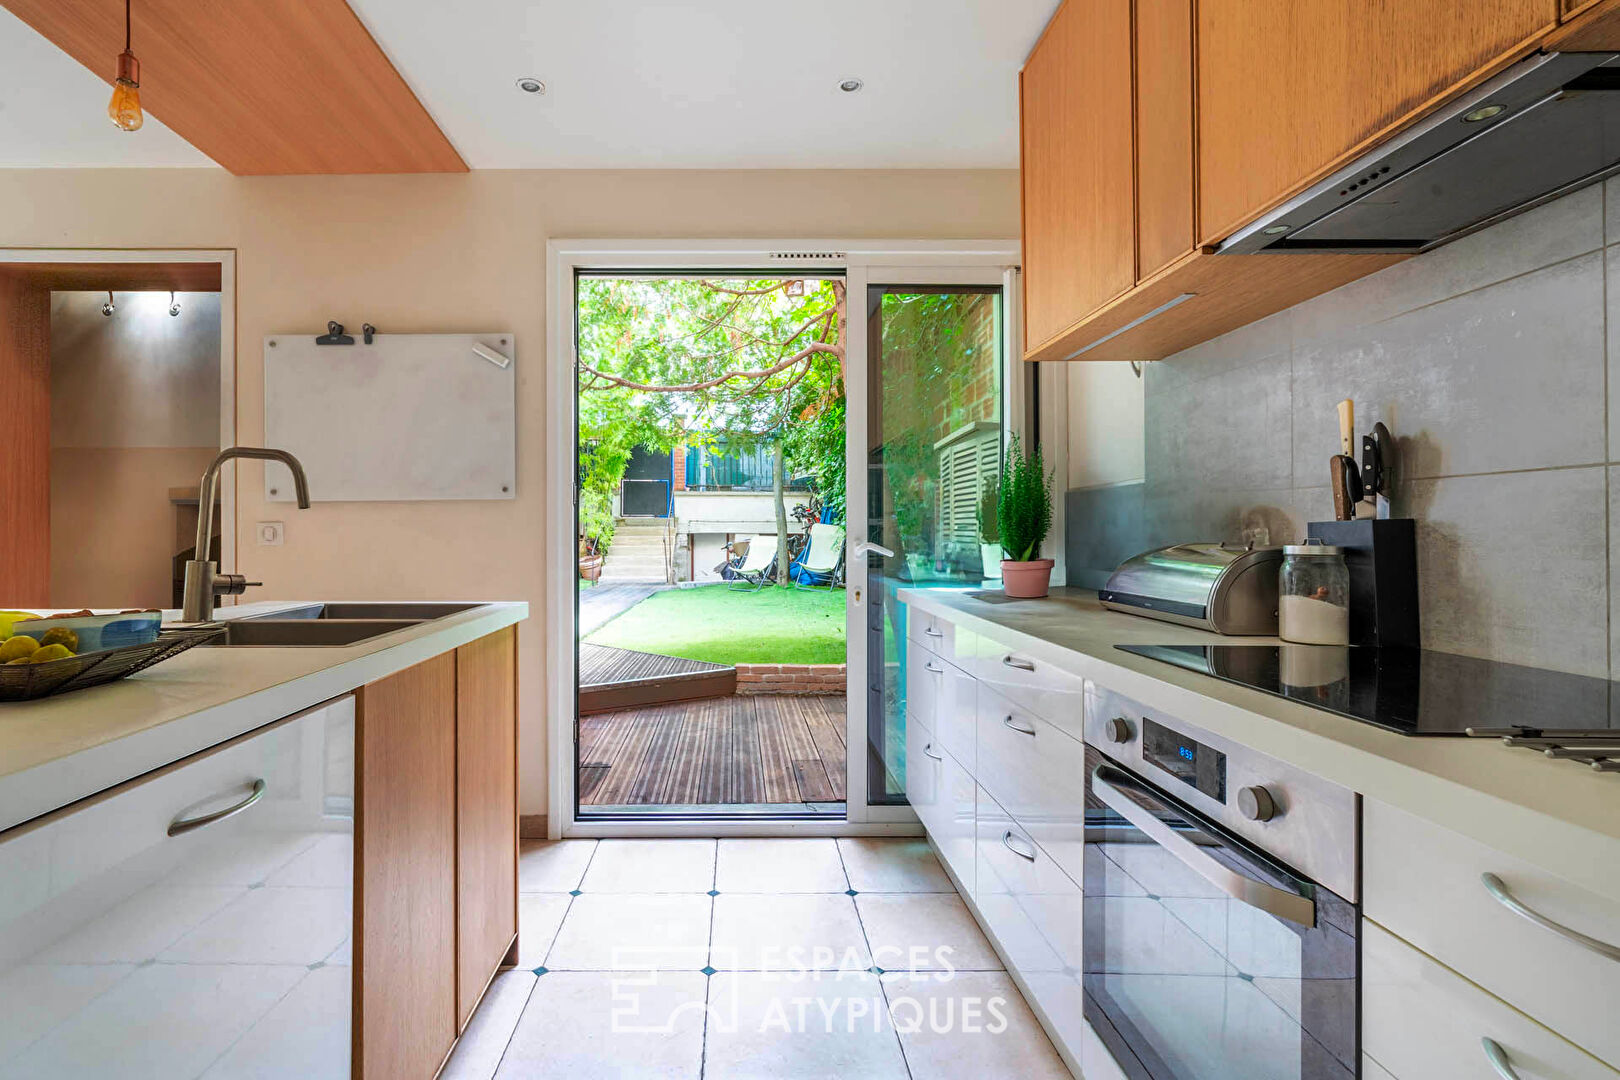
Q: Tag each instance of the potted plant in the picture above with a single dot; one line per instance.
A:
(1024, 516)
(990, 528)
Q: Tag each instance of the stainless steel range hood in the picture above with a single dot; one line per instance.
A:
(1541, 129)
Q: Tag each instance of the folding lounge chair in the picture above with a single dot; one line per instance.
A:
(757, 566)
(823, 561)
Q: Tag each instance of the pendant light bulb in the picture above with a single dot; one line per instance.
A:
(124, 110)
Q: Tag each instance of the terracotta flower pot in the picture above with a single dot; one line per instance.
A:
(590, 567)
(1026, 580)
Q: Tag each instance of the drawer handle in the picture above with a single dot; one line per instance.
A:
(1007, 839)
(1499, 892)
(1015, 662)
(928, 751)
(185, 825)
(1499, 1059)
(930, 667)
(1016, 726)
(931, 632)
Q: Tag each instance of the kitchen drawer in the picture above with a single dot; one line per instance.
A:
(1422, 1021)
(1408, 863)
(1037, 773)
(1054, 695)
(1034, 910)
(134, 912)
(943, 695)
(942, 794)
(941, 637)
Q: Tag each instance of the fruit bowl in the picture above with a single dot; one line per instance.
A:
(26, 682)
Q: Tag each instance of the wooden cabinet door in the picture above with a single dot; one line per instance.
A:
(1079, 206)
(1289, 90)
(405, 955)
(25, 443)
(486, 817)
(1164, 134)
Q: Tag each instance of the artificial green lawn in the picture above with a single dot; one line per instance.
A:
(722, 626)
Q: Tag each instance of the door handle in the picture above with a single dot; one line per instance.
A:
(185, 825)
(1007, 839)
(864, 546)
(1500, 893)
(1015, 662)
(931, 632)
(932, 668)
(928, 749)
(1020, 728)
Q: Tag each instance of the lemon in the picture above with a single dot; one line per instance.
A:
(46, 653)
(21, 645)
(19, 660)
(9, 617)
(60, 635)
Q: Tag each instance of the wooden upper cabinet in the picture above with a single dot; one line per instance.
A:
(1290, 90)
(1077, 152)
(486, 817)
(1164, 134)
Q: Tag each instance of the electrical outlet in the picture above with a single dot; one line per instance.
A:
(270, 533)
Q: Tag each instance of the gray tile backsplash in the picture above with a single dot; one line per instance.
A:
(1488, 359)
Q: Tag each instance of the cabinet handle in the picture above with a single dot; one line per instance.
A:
(185, 825)
(1007, 839)
(1499, 892)
(1021, 729)
(1499, 1059)
(928, 751)
(931, 632)
(930, 667)
(1015, 662)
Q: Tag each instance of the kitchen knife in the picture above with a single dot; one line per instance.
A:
(1385, 442)
(1371, 478)
(1347, 429)
(1346, 486)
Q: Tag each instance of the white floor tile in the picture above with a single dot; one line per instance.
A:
(142, 926)
(327, 864)
(877, 865)
(33, 1000)
(924, 932)
(164, 1021)
(970, 1026)
(270, 926)
(479, 1052)
(539, 916)
(787, 1027)
(651, 866)
(629, 932)
(780, 866)
(553, 865)
(610, 1026)
(306, 1035)
(791, 932)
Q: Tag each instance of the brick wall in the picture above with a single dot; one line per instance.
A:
(791, 679)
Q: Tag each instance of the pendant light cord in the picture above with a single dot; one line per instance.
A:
(126, 24)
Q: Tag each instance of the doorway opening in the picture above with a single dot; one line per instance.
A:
(711, 612)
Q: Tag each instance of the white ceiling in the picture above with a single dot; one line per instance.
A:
(53, 111)
(631, 84)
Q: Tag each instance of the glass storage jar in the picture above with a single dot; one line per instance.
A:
(1313, 595)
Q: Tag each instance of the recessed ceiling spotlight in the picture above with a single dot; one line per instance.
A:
(850, 86)
(531, 85)
(1484, 112)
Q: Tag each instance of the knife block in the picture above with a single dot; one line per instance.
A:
(1381, 555)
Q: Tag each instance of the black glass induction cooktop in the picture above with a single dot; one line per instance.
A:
(1410, 691)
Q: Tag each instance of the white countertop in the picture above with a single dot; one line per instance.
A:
(1555, 814)
(58, 750)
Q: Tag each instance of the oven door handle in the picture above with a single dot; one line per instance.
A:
(1105, 784)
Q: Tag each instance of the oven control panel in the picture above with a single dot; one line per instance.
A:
(1305, 821)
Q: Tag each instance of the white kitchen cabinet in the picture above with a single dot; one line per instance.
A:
(191, 922)
(1052, 694)
(943, 695)
(1407, 863)
(1034, 910)
(1036, 772)
(943, 638)
(925, 682)
(941, 792)
(1423, 1021)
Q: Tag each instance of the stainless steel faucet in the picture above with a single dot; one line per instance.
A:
(204, 582)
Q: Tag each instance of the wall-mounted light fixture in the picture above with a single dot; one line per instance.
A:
(124, 109)
(107, 309)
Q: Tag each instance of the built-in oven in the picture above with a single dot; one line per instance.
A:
(1220, 921)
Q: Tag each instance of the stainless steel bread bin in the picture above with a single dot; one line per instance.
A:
(1230, 589)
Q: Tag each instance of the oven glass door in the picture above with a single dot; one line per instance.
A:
(1203, 959)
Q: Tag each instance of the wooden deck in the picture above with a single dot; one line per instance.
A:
(761, 749)
(619, 678)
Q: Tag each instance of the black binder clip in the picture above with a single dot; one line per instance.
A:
(334, 335)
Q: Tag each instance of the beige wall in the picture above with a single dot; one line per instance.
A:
(1106, 443)
(451, 253)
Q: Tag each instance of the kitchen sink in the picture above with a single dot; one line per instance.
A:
(309, 630)
(414, 611)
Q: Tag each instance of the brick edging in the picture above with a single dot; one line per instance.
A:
(791, 679)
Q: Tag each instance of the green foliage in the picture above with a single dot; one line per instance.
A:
(816, 447)
(1025, 510)
(989, 511)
